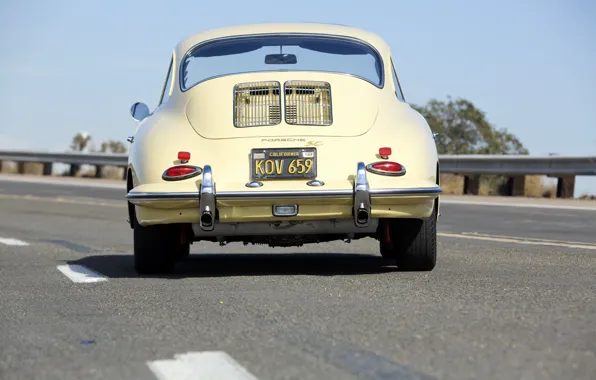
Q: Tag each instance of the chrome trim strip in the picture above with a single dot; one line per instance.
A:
(407, 192)
(383, 172)
(162, 196)
(285, 194)
(168, 196)
(380, 85)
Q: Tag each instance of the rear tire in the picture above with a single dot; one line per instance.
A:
(155, 248)
(413, 243)
(183, 251)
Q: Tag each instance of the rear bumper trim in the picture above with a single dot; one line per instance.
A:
(260, 194)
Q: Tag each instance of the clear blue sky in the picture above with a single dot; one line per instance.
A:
(70, 66)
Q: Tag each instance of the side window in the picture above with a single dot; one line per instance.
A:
(398, 91)
(165, 93)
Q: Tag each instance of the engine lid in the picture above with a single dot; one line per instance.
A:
(282, 104)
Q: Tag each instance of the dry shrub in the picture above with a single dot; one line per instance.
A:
(30, 167)
(112, 172)
(452, 184)
(8, 167)
(33, 168)
(86, 173)
(490, 185)
(538, 187)
(108, 172)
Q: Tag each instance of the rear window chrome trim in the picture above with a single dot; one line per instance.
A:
(379, 85)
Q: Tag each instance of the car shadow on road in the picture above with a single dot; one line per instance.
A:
(224, 265)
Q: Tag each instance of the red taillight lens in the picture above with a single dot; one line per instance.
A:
(181, 172)
(184, 156)
(387, 168)
(384, 152)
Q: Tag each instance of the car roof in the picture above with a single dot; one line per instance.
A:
(300, 27)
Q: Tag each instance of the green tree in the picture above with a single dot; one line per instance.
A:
(464, 129)
(113, 147)
(80, 141)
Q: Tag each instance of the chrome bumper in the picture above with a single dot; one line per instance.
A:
(361, 193)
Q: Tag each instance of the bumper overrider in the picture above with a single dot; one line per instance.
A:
(207, 197)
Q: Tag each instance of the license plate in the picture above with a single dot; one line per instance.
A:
(283, 163)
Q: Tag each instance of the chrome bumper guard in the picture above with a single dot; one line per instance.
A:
(361, 197)
(207, 200)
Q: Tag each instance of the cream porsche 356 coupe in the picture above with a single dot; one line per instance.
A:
(282, 134)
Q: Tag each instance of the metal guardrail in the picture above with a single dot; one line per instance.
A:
(518, 164)
(79, 158)
(459, 164)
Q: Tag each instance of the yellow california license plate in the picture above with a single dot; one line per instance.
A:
(283, 163)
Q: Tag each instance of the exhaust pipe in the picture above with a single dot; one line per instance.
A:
(362, 215)
(207, 201)
(207, 208)
(361, 197)
(361, 208)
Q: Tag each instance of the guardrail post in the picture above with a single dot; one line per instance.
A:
(566, 186)
(471, 184)
(21, 167)
(74, 168)
(98, 170)
(517, 186)
(47, 168)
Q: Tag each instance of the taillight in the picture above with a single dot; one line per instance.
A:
(385, 152)
(386, 168)
(181, 172)
(184, 156)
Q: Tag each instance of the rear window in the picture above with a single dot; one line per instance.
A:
(281, 53)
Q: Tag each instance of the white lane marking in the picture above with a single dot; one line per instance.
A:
(521, 205)
(200, 365)
(528, 238)
(79, 273)
(9, 241)
(65, 181)
(518, 240)
(63, 200)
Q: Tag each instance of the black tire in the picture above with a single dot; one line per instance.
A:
(414, 243)
(386, 251)
(155, 248)
(183, 251)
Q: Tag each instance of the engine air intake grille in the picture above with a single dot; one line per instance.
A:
(308, 103)
(257, 104)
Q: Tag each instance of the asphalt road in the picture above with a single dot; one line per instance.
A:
(513, 297)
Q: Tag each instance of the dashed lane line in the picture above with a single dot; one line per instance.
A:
(529, 238)
(80, 273)
(10, 241)
(89, 202)
(200, 365)
(587, 207)
(516, 240)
